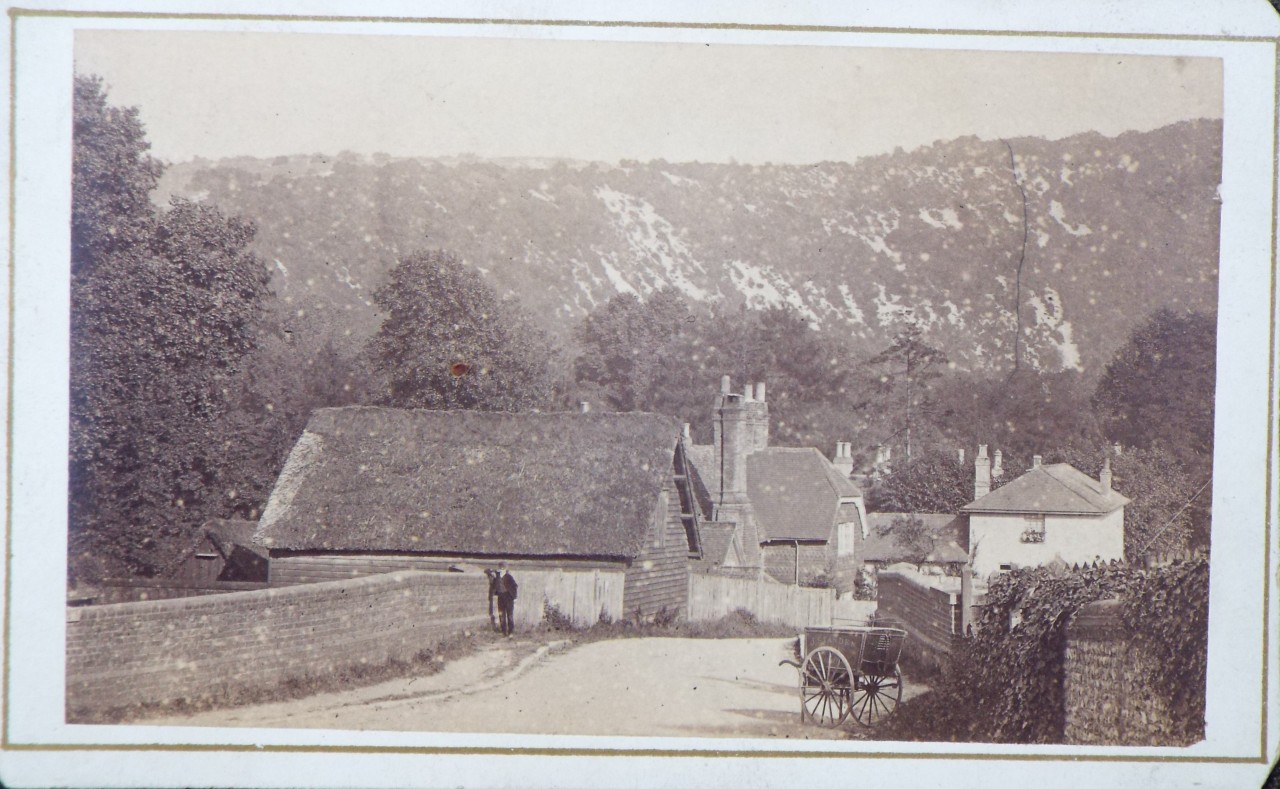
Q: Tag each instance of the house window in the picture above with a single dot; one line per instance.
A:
(1033, 528)
(844, 539)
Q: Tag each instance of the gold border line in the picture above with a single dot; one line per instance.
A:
(742, 26)
(1271, 407)
(641, 752)
(16, 13)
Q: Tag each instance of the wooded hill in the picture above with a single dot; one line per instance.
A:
(1115, 228)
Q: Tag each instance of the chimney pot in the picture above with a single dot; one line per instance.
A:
(1116, 448)
(1035, 461)
(981, 473)
(746, 392)
(686, 432)
(997, 470)
(960, 452)
(760, 391)
(584, 406)
(1105, 476)
(724, 384)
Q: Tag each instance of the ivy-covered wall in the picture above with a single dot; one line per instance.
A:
(1012, 682)
(1109, 697)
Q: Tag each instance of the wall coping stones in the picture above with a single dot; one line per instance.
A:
(1097, 621)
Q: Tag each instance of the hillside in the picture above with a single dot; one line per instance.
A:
(1116, 227)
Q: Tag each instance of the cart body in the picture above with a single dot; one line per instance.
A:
(850, 671)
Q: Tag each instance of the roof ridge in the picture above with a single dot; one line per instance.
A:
(1072, 490)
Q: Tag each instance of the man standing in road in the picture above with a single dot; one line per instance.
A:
(507, 589)
(494, 582)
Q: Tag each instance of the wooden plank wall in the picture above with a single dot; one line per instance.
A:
(658, 579)
(712, 597)
(585, 597)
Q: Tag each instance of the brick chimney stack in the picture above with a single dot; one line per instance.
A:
(843, 460)
(981, 473)
(739, 426)
(1105, 476)
(997, 468)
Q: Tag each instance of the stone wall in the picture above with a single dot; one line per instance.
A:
(1107, 700)
(197, 648)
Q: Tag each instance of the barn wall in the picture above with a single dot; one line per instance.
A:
(218, 646)
(585, 590)
(658, 579)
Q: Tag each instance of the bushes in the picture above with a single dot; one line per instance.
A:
(1006, 683)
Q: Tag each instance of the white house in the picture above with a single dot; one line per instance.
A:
(1052, 512)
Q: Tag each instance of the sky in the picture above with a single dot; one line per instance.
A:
(218, 94)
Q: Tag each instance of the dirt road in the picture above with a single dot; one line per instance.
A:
(641, 686)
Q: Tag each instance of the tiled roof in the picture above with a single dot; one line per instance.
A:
(795, 493)
(471, 482)
(1058, 488)
(949, 535)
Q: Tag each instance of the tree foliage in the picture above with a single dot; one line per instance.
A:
(1027, 413)
(447, 341)
(163, 310)
(929, 482)
(907, 370)
(661, 355)
(1158, 389)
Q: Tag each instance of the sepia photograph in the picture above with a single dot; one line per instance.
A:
(445, 414)
(743, 394)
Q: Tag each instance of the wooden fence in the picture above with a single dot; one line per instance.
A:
(585, 597)
(712, 597)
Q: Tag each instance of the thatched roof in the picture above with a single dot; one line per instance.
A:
(470, 482)
(1059, 488)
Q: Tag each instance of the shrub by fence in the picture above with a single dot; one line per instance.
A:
(198, 648)
(1009, 682)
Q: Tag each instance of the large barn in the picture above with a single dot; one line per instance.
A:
(369, 490)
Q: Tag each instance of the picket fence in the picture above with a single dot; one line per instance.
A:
(712, 597)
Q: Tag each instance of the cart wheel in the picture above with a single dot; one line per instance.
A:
(825, 680)
(875, 697)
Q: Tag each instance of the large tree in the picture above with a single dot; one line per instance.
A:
(447, 341)
(907, 369)
(628, 347)
(163, 310)
(1158, 389)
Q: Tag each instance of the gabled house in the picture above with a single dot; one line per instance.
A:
(786, 512)
(1051, 513)
(945, 544)
(369, 490)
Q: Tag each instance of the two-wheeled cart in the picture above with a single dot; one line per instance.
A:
(849, 671)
